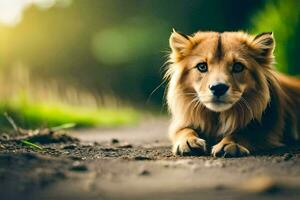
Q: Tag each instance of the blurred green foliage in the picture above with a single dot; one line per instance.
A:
(49, 114)
(283, 19)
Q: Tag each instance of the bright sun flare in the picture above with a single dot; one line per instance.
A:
(11, 11)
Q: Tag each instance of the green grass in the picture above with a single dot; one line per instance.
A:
(41, 114)
(31, 145)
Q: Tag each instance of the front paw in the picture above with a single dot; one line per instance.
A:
(229, 149)
(189, 146)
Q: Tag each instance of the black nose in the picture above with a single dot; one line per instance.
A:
(219, 89)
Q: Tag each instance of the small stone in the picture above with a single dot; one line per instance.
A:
(276, 160)
(2, 146)
(96, 143)
(144, 172)
(70, 146)
(115, 141)
(166, 165)
(88, 145)
(142, 158)
(4, 136)
(125, 146)
(109, 149)
(78, 167)
(287, 156)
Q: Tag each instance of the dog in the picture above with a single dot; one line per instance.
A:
(226, 97)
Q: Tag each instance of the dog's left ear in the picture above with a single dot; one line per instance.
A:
(264, 43)
(179, 43)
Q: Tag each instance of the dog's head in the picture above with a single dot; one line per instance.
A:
(222, 69)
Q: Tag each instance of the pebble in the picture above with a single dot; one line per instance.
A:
(125, 146)
(70, 146)
(276, 160)
(4, 136)
(88, 145)
(287, 156)
(96, 143)
(115, 141)
(78, 167)
(141, 158)
(166, 165)
(144, 172)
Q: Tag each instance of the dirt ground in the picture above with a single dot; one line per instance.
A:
(136, 163)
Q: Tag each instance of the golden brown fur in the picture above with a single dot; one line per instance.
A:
(259, 110)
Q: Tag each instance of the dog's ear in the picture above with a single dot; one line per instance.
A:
(179, 43)
(264, 43)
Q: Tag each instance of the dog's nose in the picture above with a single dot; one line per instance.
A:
(219, 89)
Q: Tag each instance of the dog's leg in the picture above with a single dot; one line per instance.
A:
(229, 147)
(187, 143)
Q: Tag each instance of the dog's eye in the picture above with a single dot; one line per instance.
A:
(202, 67)
(237, 67)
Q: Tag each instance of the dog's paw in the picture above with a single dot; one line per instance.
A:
(189, 146)
(229, 149)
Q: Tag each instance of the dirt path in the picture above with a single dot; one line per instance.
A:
(136, 163)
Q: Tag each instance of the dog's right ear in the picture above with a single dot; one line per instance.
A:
(265, 43)
(179, 43)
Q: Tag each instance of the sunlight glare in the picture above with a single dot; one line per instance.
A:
(11, 11)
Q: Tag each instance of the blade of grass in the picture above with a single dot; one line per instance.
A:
(32, 145)
(12, 122)
(63, 126)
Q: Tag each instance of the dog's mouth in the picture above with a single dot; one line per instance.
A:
(217, 101)
(218, 104)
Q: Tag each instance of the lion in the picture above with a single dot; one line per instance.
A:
(225, 96)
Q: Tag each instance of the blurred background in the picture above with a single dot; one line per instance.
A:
(100, 62)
